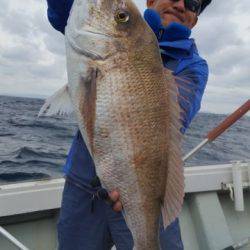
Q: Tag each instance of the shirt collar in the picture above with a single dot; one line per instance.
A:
(175, 42)
(181, 49)
(173, 39)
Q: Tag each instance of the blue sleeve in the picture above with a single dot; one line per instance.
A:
(191, 90)
(58, 13)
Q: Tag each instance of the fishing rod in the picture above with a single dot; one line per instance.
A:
(222, 127)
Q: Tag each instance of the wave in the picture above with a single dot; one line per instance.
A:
(40, 163)
(27, 152)
(22, 176)
(7, 134)
(35, 124)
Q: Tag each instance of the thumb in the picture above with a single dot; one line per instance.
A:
(153, 19)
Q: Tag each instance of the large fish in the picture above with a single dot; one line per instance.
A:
(126, 107)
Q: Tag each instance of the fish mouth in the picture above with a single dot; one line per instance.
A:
(97, 32)
(88, 51)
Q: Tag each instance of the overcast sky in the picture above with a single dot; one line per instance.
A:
(32, 54)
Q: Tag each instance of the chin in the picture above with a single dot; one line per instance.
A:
(166, 20)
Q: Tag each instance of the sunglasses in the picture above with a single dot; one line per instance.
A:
(192, 5)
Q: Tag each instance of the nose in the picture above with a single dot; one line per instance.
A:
(179, 5)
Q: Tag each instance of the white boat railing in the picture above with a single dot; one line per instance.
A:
(46, 194)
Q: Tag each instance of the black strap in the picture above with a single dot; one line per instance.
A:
(99, 193)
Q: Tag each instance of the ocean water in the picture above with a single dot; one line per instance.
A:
(34, 148)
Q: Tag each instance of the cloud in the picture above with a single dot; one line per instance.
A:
(32, 58)
(32, 55)
(223, 40)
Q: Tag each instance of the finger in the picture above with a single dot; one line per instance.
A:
(114, 196)
(117, 206)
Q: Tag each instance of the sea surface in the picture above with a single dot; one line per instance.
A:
(34, 148)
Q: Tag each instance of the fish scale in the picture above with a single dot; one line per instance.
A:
(125, 123)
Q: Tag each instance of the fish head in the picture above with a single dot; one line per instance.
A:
(102, 36)
(98, 28)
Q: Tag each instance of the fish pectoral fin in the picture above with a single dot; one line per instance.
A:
(174, 190)
(57, 104)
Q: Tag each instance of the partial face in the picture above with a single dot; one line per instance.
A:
(173, 11)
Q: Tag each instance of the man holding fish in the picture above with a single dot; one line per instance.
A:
(87, 221)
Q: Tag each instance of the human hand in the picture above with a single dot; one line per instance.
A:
(154, 21)
(115, 198)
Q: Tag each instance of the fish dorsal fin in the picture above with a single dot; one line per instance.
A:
(174, 191)
(57, 104)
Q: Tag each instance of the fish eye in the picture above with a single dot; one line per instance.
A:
(121, 16)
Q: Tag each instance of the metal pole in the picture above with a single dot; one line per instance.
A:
(238, 190)
(197, 148)
(222, 127)
(11, 238)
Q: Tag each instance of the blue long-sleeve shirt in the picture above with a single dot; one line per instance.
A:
(181, 56)
(58, 13)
